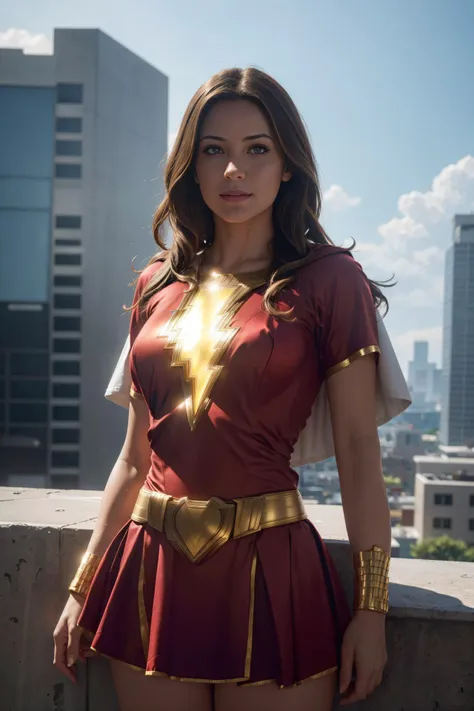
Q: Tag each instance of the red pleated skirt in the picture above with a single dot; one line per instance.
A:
(266, 607)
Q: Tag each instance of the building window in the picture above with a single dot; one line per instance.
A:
(65, 413)
(68, 125)
(29, 389)
(29, 364)
(471, 500)
(72, 260)
(67, 323)
(443, 499)
(66, 345)
(444, 523)
(29, 412)
(64, 280)
(65, 459)
(68, 243)
(471, 524)
(69, 148)
(69, 222)
(66, 390)
(69, 93)
(66, 436)
(67, 301)
(68, 170)
(66, 367)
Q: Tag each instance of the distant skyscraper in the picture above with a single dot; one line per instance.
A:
(457, 418)
(83, 134)
(423, 378)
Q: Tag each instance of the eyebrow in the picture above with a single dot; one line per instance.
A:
(247, 138)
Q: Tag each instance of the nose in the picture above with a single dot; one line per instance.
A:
(232, 172)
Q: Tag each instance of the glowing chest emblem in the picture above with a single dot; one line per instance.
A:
(199, 333)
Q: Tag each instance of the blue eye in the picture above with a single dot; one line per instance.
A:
(262, 149)
(207, 150)
(265, 149)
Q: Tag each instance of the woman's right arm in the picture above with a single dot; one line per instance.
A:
(125, 480)
(120, 494)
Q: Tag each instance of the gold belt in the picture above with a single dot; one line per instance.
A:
(198, 528)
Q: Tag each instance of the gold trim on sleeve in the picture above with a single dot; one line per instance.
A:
(347, 361)
(136, 395)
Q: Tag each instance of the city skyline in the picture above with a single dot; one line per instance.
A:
(388, 114)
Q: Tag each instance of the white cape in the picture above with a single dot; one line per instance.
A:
(315, 442)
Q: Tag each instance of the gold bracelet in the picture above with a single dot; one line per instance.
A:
(371, 569)
(83, 578)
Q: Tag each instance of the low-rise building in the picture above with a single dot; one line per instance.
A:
(444, 505)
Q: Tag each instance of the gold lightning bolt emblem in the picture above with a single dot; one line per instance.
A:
(199, 332)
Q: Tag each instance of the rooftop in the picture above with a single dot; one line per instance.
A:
(452, 450)
(443, 459)
(44, 532)
(442, 480)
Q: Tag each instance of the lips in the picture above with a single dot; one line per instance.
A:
(235, 193)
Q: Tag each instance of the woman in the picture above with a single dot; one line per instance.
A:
(203, 570)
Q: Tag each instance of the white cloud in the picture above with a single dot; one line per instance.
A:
(428, 215)
(336, 199)
(399, 232)
(451, 191)
(414, 243)
(412, 248)
(30, 43)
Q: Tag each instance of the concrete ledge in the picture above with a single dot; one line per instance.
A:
(42, 536)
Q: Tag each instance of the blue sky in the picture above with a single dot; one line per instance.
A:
(385, 89)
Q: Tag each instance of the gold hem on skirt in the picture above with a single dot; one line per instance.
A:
(241, 680)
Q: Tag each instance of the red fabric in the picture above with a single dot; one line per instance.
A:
(198, 613)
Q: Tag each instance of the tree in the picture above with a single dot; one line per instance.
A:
(443, 548)
(392, 480)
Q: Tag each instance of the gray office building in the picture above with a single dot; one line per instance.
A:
(457, 417)
(83, 137)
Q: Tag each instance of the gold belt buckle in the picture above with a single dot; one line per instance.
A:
(198, 528)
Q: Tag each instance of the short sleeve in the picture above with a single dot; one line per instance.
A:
(348, 315)
(138, 316)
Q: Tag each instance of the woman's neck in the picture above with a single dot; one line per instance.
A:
(238, 248)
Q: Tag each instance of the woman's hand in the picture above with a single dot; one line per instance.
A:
(69, 643)
(364, 647)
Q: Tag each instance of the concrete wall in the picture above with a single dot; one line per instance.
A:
(430, 625)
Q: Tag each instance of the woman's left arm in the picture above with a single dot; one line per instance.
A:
(352, 400)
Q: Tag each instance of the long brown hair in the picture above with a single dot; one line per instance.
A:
(296, 209)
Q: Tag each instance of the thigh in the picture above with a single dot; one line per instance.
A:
(157, 693)
(312, 695)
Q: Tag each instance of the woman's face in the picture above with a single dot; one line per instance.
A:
(237, 153)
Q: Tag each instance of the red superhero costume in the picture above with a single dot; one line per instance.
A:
(224, 419)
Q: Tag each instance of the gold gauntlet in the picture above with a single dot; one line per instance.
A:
(84, 574)
(371, 580)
